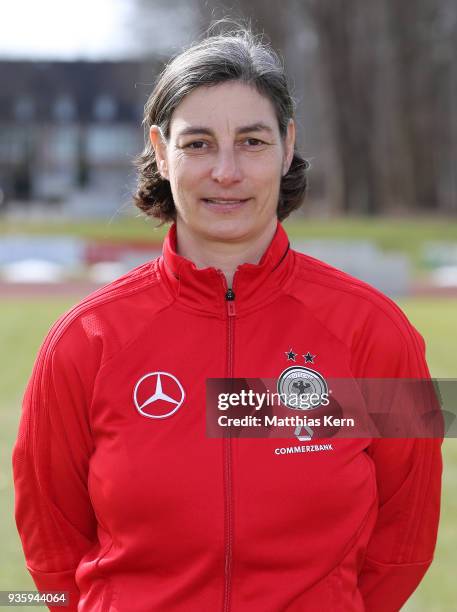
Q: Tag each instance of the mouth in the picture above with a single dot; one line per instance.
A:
(224, 204)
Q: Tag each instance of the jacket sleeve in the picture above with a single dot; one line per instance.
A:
(53, 511)
(408, 473)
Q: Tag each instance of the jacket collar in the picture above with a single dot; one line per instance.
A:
(205, 289)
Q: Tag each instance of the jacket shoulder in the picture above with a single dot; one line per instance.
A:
(338, 287)
(108, 317)
(372, 326)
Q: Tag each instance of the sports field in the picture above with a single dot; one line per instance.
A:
(404, 235)
(23, 324)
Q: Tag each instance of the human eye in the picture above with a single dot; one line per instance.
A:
(252, 143)
(255, 142)
(195, 145)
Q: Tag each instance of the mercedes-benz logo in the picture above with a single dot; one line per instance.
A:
(160, 393)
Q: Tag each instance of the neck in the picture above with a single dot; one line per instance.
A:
(225, 256)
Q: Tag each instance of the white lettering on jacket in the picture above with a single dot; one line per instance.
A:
(305, 448)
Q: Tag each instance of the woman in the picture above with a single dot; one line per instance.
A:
(122, 498)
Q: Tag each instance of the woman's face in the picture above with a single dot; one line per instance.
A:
(224, 159)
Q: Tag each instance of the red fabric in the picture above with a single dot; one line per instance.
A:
(134, 513)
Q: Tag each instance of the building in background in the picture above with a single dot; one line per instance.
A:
(69, 132)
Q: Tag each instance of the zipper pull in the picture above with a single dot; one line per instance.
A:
(230, 299)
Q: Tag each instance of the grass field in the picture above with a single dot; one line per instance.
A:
(406, 235)
(22, 327)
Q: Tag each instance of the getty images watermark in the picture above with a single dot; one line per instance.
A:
(309, 409)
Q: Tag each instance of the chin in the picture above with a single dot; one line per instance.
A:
(230, 230)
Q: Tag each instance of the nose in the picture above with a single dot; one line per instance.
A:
(226, 168)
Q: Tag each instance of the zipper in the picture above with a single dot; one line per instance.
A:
(227, 451)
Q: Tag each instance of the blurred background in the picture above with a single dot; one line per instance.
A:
(376, 89)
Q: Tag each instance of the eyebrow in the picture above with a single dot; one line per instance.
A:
(253, 127)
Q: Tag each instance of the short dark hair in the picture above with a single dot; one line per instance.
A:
(234, 56)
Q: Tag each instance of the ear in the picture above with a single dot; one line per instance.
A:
(289, 144)
(160, 149)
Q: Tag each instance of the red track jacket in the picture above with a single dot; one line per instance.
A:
(129, 506)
